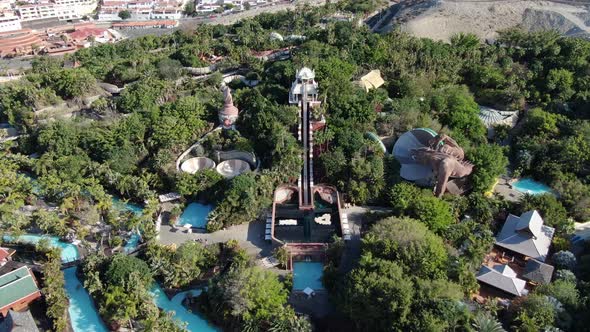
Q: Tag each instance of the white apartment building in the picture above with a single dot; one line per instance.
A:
(167, 14)
(36, 11)
(211, 5)
(62, 9)
(109, 14)
(9, 23)
(6, 5)
(141, 14)
(79, 7)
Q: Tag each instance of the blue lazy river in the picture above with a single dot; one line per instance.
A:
(308, 274)
(69, 252)
(195, 322)
(120, 205)
(529, 186)
(132, 243)
(83, 313)
(196, 215)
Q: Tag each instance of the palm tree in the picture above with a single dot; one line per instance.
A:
(485, 322)
(66, 205)
(126, 184)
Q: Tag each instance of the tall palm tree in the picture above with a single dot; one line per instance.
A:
(126, 184)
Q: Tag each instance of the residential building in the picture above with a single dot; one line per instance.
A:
(5, 255)
(503, 278)
(141, 10)
(538, 272)
(372, 80)
(167, 14)
(146, 24)
(9, 23)
(211, 5)
(61, 9)
(36, 11)
(18, 288)
(526, 236)
(80, 8)
(85, 34)
(109, 14)
(16, 321)
(6, 5)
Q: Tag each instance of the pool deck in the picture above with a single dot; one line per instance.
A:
(250, 237)
(504, 189)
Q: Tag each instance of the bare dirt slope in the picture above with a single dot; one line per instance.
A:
(442, 19)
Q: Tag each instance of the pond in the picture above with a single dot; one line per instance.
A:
(529, 186)
(69, 252)
(121, 206)
(195, 322)
(196, 215)
(83, 313)
(308, 274)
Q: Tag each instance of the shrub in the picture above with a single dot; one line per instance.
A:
(564, 260)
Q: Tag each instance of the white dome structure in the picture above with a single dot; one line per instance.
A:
(491, 117)
(413, 139)
(194, 165)
(232, 168)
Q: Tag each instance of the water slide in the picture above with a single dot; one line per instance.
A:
(306, 138)
(373, 137)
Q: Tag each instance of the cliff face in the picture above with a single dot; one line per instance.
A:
(442, 19)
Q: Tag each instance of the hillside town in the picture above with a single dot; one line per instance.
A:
(57, 27)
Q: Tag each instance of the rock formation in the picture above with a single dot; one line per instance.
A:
(229, 113)
(446, 161)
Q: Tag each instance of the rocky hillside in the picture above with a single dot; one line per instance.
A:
(442, 19)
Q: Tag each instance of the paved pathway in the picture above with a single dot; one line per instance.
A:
(250, 237)
(505, 190)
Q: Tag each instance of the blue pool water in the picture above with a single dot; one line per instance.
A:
(196, 215)
(82, 311)
(532, 187)
(195, 322)
(122, 206)
(307, 274)
(132, 243)
(69, 252)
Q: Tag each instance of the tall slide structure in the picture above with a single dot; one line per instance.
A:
(306, 215)
(304, 93)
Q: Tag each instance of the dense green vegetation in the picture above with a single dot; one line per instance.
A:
(55, 294)
(401, 282)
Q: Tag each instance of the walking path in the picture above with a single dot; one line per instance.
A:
(250, 237)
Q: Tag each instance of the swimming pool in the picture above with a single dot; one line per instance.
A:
(530, 186)
(308, 274)
(120, 205)
(195, 322)
(196, 215)
(69, 252)
(83, 313)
